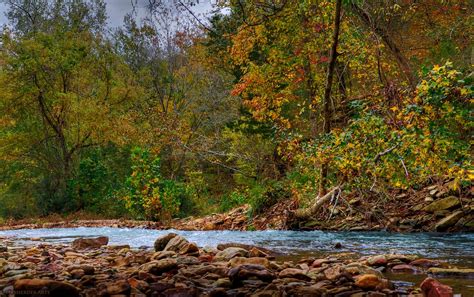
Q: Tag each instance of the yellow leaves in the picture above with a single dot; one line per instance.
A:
(436, 68)
(470, 175)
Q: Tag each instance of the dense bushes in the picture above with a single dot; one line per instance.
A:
(421, 138)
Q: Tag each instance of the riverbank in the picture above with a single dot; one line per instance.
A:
(434, 208)
(177, 267)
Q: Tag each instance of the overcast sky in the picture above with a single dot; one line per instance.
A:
(116, 9)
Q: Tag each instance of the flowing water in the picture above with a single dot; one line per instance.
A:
(457, 249)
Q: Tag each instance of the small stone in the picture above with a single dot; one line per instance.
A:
(138, 284)
(319, 262)
(244, 272)
(404, 268)
(85, 243)
(367, 281)
(222, 283)
(294, 273)
(426, 263)
(333, 272)
(380, 260)
(159, 266)
(119, 287)
(256, 252)
(77, 273)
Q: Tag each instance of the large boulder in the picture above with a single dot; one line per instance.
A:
(434, 288)
(87, 243)
(450, 202)
(449, 221)
(162, 241)
(42, 287)
(181, 246)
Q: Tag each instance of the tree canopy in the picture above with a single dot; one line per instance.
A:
(176, 114)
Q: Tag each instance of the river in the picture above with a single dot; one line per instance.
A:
(455, 248)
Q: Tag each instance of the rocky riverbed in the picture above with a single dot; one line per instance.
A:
(177, 267)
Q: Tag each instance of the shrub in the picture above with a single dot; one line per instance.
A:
(150, 196)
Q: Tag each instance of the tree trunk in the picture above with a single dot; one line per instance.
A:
(383, 34)
(302, 214)
(327, 92)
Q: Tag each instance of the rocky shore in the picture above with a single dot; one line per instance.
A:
(435, 208)
(177, 267)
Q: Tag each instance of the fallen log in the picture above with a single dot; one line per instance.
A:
(305, 213)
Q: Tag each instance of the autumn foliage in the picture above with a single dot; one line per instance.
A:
(169, 116)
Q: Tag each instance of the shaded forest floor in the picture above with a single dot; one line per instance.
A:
(433, 208)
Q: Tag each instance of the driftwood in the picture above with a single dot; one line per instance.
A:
(310, 211)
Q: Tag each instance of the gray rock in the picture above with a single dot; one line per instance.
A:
(181, 246)
(450, 202)
(230, 253)
(162, 241)
(449, 221)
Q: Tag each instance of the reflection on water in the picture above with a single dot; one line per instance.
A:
(456, 248)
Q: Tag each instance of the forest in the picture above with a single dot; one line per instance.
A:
(175, 114)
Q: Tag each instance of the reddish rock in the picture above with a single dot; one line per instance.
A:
(367, 281)
(433, 288)
(138, 284)
(256, 252)
(405, 268)
(319, 262)
(237, 261)
(334, 272)
(45, 287)
(85, 243)
(205, 258)
(426, 263)
(118, 287)
(380, 260)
